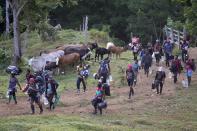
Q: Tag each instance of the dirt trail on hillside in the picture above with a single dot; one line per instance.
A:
(72, 103)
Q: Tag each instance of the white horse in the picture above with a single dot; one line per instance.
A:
(109, 44)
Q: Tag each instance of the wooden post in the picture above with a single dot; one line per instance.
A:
(86, 30)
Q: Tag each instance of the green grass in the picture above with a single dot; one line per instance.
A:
(178, 112)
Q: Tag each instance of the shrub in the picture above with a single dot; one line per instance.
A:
(5, 58)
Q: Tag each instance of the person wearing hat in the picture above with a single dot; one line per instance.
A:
(12, 87)
(159, 80)
(130, 76)
(51, 91)
(34, 95)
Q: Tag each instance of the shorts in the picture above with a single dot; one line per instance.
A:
(130, 82)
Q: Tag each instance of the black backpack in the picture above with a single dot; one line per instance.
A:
(160, 75)
(130, 74)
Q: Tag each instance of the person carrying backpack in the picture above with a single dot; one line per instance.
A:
(104, 70)
(175, 68)
(12, 87)
(99, 97)
(51, 91)
(34, 95)
(130, 76)
(159, 80)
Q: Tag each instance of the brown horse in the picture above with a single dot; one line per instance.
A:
(117, 50)
(68, 60)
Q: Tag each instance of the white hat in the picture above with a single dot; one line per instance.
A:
(160, 68)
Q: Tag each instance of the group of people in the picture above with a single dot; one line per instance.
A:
(157, 51)
(41, 83)
(37, 84)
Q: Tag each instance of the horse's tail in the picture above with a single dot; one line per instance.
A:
(109, 44)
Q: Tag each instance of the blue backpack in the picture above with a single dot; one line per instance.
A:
(104, 67)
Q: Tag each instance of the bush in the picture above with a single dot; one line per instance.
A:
(47, 32)
(5, 58)
(99, 36)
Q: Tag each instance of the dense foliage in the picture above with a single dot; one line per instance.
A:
(144, 18)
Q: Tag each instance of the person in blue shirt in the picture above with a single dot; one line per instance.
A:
(168, 47)
(135, 68)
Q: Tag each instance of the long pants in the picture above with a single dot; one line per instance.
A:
(135, 55)
(146, 69)
(159, 87)
(175, 76)
(12, 94)
(157, 57)
(79, 80)
(35, 99)
(189, 80)
(104, 75)
(184, 53)
(167, 59)
(50, 99)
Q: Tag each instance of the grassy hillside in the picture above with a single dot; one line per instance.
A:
(175, 113)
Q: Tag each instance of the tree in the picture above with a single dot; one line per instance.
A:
(16, 6)
(7, 18)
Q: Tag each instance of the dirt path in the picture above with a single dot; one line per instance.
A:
(72, 103)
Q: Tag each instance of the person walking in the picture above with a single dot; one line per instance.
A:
(175, 68)
(99, 97)
(147, 62)
(168, 47)
(12, 89)
(80, 78)
(34, 95)
(159, 80)
(130, 76)
(51, 92)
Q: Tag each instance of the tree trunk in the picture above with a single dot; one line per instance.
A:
(7, 19)
(16, 40)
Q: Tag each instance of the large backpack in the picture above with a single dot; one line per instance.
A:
(160, 75)
(130, 74)
(104, 67)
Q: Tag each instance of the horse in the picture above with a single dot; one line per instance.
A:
(101, 52)
(83, 50)
(117, 50)
(67, 60)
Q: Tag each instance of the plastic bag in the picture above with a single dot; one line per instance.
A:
(185, 83)
(44, 100)
(110, 78)
(170, 75)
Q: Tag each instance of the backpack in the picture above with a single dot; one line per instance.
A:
(173, 67)
(104, 67)
(193, 66)
(160, 75)
(130, 74)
